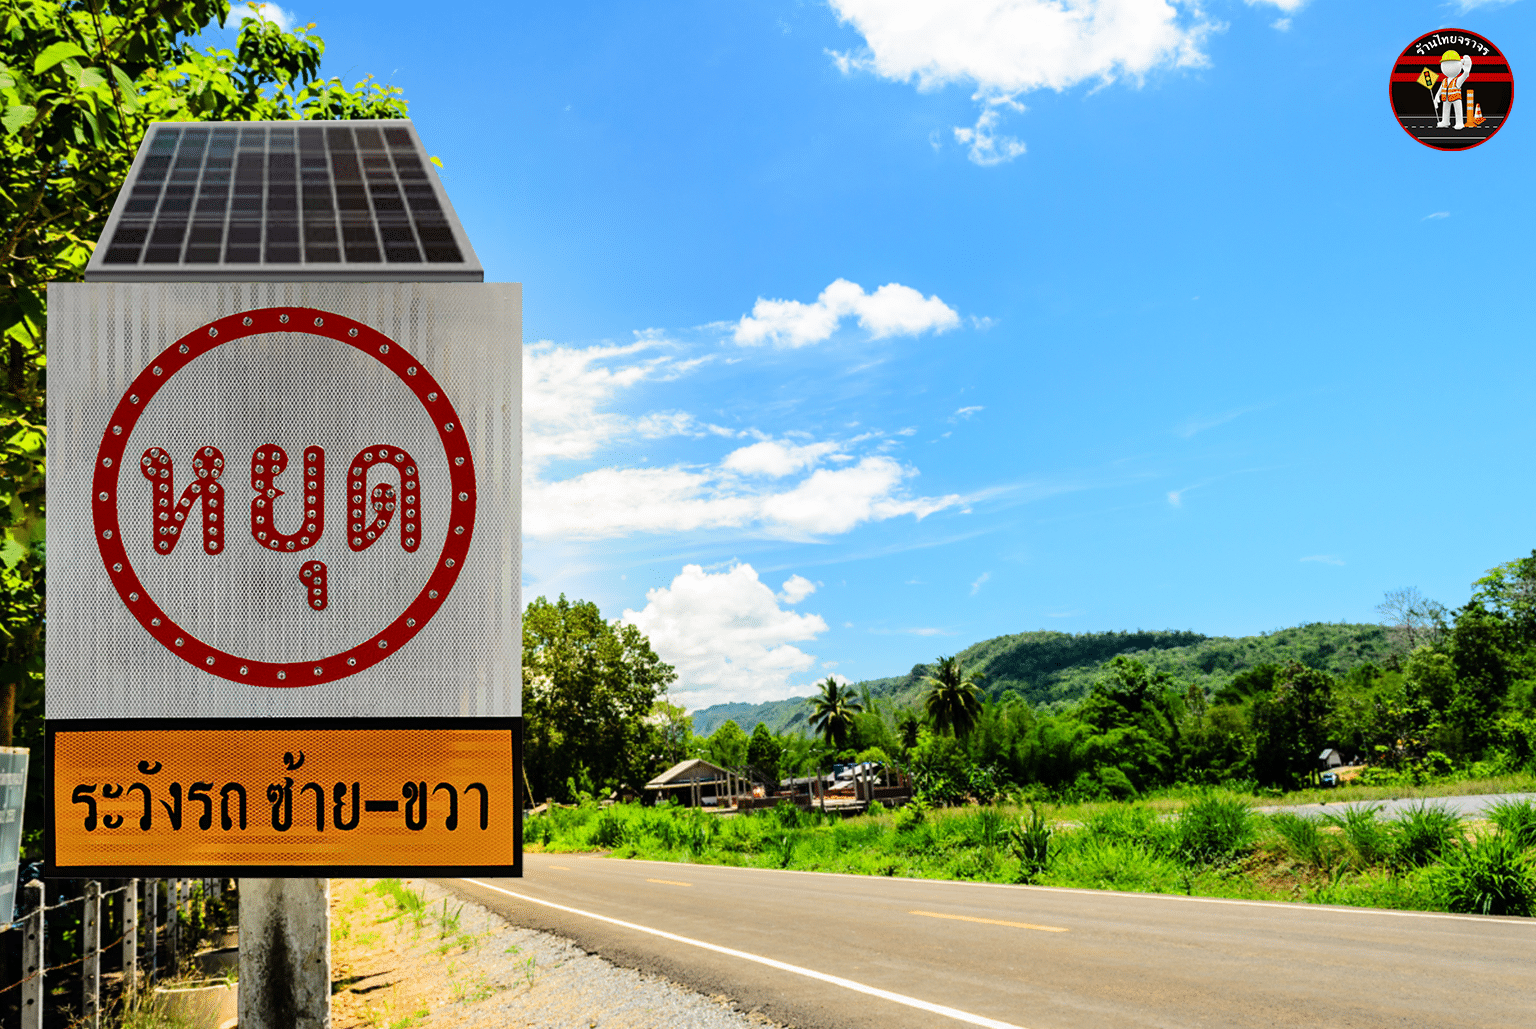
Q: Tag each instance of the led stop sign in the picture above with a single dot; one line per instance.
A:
(284, 625)
(379, 486)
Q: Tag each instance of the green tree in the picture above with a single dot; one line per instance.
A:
(727, 746)
(952, 702)
(80, 82)
(763, 753)
(1291, 725)
(1510, 590)
(588, 687)
(833, 711)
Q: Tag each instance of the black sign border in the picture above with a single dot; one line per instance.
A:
(53, 870)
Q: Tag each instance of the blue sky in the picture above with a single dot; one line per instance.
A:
(855, 334)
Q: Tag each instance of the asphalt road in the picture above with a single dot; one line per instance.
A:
(1470, 806)
(821, 951)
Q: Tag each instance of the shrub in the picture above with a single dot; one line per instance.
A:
(1213, 827)
(1488, 876)
(1422, 834)
(1516, 819)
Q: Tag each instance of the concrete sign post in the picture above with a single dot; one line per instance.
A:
(13, 801)
(284, 618)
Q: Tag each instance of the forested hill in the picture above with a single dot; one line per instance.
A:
(1049, 667)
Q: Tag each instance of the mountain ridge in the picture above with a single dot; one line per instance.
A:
(1049, 669)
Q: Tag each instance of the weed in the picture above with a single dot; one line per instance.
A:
(609, 831)
(1214, 827)
(1422, 834)
(1488, 876)
(1110, 865)
(1517, 818)
(447, 922)
(527, 966)
(1367, 841)
(784, 851)
(1302, 840)
(1031, 841)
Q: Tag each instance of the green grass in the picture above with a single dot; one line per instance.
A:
(1208, 843)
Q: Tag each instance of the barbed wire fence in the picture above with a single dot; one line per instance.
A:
(151, 919)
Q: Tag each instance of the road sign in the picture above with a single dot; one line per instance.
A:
(284, 627)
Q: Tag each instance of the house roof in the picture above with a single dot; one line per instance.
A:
(685, 773)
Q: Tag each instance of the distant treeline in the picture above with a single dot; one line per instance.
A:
(1430, 691)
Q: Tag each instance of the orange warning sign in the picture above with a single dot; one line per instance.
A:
(251, 798)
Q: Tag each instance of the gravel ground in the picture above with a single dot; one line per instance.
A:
(439, 971)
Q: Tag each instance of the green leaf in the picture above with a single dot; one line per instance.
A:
(90, 78)
(55, 54)
(11, 552)
(17, 116)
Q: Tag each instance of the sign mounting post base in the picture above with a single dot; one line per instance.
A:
(285, 954)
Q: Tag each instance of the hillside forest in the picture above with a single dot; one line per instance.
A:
(1430, 692)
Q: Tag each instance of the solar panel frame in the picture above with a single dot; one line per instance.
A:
(283, 201)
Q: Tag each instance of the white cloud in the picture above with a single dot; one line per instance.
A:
(980, 582)
(796, 588)
(1286, 6)
(284, 20)
(1435, 215)
(987, 147)
(1176, 496)
(775, 459)
(1470, 5)
(727, 636)
(1324, 559)
(891, 310)
(795, 487)
(610, 502)
(1008, 47)
(1012, 46)
(1192, 427)
(966, 412)
(1281, 24)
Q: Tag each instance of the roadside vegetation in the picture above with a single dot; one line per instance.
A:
(1208, 843)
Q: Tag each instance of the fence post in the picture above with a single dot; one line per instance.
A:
(152, 927)
(172, 924)
(32, 958)
(90, 952)
(130, 938)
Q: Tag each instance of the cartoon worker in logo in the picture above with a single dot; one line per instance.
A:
(1456, 68)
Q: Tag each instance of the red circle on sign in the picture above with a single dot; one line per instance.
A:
(109, 463)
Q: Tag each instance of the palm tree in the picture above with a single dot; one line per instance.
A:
(952, 702)
(832, 712)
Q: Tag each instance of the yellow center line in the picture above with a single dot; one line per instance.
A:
(990, 921)
(668, 882)
(560, 868)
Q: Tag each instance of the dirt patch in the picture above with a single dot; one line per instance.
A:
(406, 954)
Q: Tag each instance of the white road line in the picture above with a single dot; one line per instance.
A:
(809, 973)
(1282, 905)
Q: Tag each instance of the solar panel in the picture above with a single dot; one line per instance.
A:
(283, 201)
